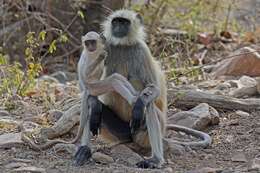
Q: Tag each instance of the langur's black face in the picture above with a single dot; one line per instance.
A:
(120, 27)
(91, 45)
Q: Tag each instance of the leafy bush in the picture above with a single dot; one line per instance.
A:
(15, 80)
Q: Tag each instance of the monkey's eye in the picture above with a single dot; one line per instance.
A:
(89, 43)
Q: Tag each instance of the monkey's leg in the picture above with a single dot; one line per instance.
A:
(154, 129)
(112, 83)
(84, 153)
(125, 82)
(95, 112)
(150, 93)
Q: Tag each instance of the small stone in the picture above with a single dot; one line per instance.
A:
(242, 113)
(246, 81)
(233, 83)
(54, 115)
(10, 140)
(223, 86)
(205, 170)
(4, 113)
(217, 92)
(29, 169)
(123, 153)
(102, 158)
(255, 164)
(69, 149)
(168, 170)
(60, 76)
(258, 84)
(233, 123)
(239, 157)
(15, 165)
(22, 160)
(257, 130)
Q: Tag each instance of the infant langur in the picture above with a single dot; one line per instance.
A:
(90, 69)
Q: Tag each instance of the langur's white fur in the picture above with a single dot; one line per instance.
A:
(135, 35)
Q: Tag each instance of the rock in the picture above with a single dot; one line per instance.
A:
(233, 83)
(223, 86)
(242, 113)
(255, 164)
(10, 140)
(246, 81)
(125, 154)
(206, 170)
(102, 158)
(217, 92)
(60, 76)
(168, 170)
(15, 165)
(258, 84)
(233, 122)
(239, 157)
(22, 160)
(69, 149)
(29, 169)
(174, 149)
(257, 130)
(4, 113)
(244, 91)
(247, 86)
(54, 115)
(198, 117)
(243, 64)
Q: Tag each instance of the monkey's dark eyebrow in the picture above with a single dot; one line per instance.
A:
(121, 19)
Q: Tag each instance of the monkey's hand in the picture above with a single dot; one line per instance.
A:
(82, 155)
(138, 114)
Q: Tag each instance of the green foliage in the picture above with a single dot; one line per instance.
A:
(61, 39)
(80, 13)
(14, 79)
(52, 46)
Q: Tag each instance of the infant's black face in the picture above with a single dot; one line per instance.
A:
(91, 45)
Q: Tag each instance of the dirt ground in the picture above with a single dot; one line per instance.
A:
(236, 134)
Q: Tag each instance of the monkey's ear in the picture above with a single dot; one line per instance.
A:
(103, 38)
(138, 16)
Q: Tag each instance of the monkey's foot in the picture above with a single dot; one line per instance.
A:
(82, 155)
(137, 115)
(151, 163)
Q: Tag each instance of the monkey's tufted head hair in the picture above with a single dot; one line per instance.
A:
(136, 31)
(91, 35)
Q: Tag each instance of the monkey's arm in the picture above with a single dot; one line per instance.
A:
(94, 64)
(84, 152)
